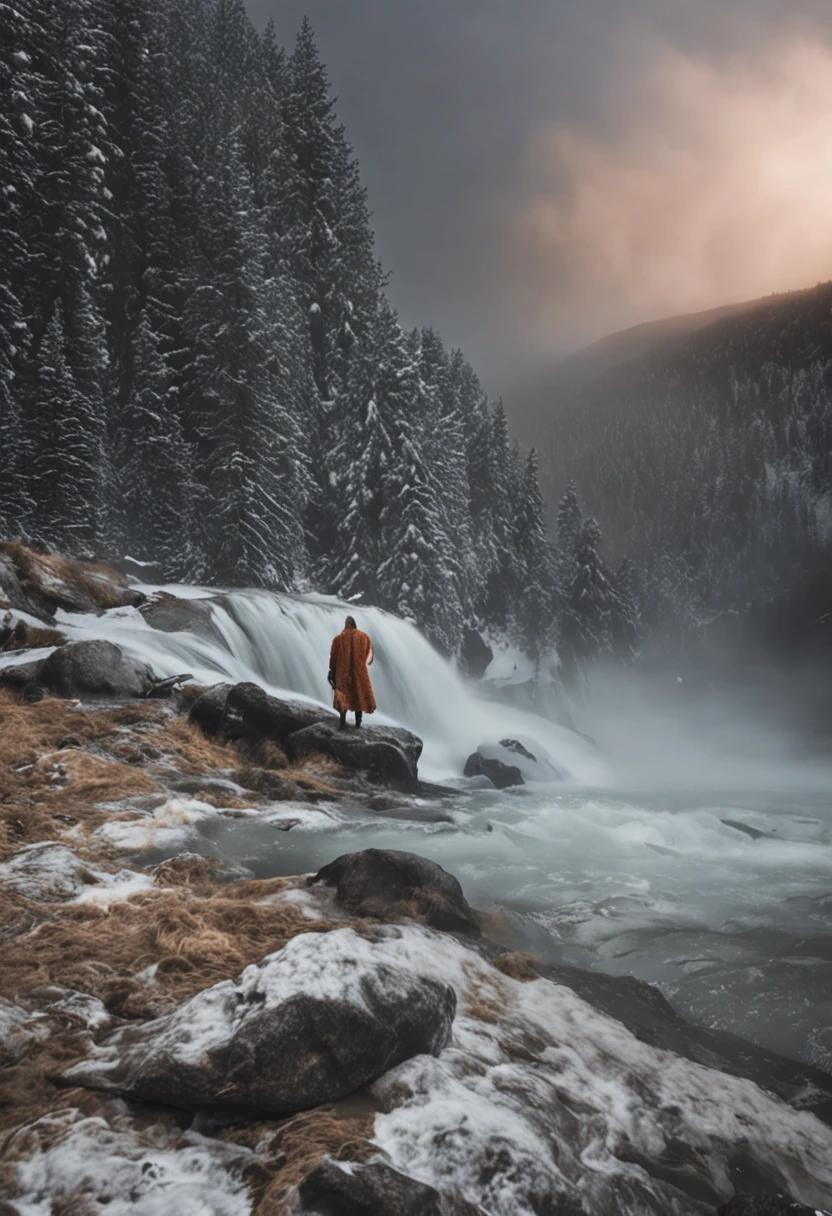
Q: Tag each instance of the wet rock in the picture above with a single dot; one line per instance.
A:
(309, 1024)
(208, 711)
(21, 674)
(388, 753)
(95, 668)
(383, 882)
(170, 614)
(476, 654)
(512, 755)
(375, 1189)
(265, 717)
(767, 1205)
(499, 774)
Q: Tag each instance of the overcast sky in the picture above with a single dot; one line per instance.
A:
(544, 171)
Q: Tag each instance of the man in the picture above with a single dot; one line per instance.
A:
(349, 658)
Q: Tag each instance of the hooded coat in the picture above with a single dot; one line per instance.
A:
(351, 651)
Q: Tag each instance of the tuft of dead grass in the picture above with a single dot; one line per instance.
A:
(194, 752)
(295, 1146)
(24, 636)
(517, 965)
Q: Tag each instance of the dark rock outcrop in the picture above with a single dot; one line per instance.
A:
(310, 1024)
(375, 1189)
(95, 668)
(387, 753)
(475, 655)
(171, 614)
(498, 773)
(265, 717)
(41, 583)
(384, 882)
(208, 711)
(21, 674)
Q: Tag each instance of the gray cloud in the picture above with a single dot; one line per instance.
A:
(500, 143)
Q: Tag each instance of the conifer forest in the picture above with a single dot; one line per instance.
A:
(200, 366)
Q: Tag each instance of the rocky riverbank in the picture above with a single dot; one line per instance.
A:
(183, 1037)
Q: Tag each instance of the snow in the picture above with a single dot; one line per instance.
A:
(48, 872)
(168, 825)
(93, 1161)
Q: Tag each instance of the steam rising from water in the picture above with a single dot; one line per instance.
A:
(718, 188)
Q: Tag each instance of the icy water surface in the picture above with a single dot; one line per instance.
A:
(732, 920)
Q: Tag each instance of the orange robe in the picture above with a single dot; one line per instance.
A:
(348, 658)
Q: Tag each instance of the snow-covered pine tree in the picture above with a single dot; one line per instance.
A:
(379, 391)
(69, 445)
(251, 458)
(158, 491)
(570, 521)
(586, 625)
(625, 623)
(535, 609)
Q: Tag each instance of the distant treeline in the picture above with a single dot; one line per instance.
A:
(198, 362)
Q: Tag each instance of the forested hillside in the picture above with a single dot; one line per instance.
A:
(198, 362)
(709, 460)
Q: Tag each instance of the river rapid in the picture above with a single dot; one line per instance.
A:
(715, 885)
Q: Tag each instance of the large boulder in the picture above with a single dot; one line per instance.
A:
(375, 1189)
(208, 710)
(499, 773)
(310, 1024)
(383, 882)
(387, 753)
(95, 668)
(475, 655)
(265, 717)
(172, 614)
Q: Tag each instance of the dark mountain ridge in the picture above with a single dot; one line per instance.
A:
(704, 447)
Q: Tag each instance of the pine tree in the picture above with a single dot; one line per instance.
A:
(624, 613)
(69, 450)
(157, 475)
(240, 398)
(535, 608)
(586, 624)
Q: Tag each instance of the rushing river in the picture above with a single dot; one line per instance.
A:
(719, 894)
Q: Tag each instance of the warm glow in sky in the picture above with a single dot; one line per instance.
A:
(712, 183)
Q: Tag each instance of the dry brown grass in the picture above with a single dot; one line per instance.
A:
(194, 752)
(197, 935)
(96, 580)
(517, 965)
(189, 693)
(295, 1146)
(24, 636)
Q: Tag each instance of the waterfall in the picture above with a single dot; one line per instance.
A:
(282, 642)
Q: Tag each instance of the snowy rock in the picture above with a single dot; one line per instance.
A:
(388, 753)
(95, 668)
(18, 1031)
(208, 711)
(20, 675)
(66, 1162)
(41, 583)
(499, 773)
(378, 882)
(374, 1190)
(312, 1023)
(265, 717)
(49, 873)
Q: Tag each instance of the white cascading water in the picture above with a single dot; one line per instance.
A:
(282, 642)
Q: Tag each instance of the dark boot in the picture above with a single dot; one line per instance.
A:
(358, 716)
(343, 723)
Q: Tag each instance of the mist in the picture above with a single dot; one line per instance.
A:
(711, 183)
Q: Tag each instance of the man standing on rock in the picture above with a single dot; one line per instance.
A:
(349, 658)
